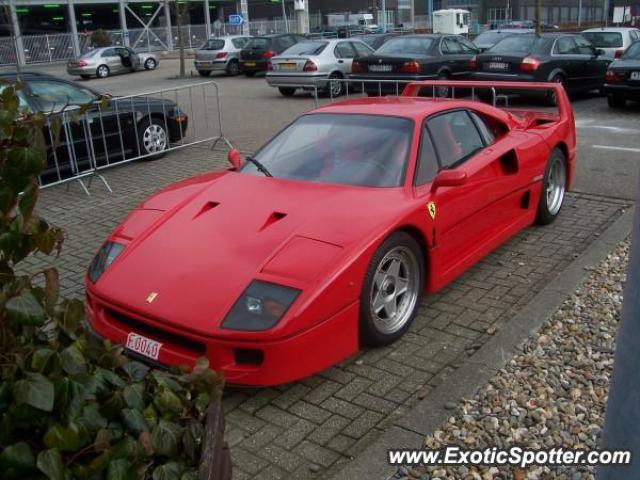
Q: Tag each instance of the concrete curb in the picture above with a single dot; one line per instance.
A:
(425, 417)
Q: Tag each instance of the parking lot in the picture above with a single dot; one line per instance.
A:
(310, 428)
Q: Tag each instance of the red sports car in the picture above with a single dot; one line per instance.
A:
(327, 239)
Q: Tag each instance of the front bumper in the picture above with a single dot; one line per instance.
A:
(299, 80)
(210, 66)
(282, 360)
(627, 91)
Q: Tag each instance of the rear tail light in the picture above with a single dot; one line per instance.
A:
(410, 67)
(82, 63)
(619, 53)
(529, 64)
(310, 66)
(221, 55)
(473, 63)
(268, 54)
(612, 77)
(357, 67)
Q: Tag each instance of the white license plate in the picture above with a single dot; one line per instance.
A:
(380, 68)
(249, 64)
(288, 66)
(143, 345)
(635, 76)
(498, 66)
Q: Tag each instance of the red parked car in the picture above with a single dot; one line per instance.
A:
(327, 239)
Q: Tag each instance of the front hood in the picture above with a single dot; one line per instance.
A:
(201, 255)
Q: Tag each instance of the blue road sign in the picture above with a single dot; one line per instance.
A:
(236, 20)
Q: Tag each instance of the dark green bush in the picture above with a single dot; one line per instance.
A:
(72, 407)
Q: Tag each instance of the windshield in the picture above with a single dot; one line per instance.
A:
(306, 48)
(633, 52)
(406, 46)
(259, 43)
(213, 44)
(604, 39)
(362, 150)
(516, 44)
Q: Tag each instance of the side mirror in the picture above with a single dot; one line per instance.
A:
(449, 178)
(234, 158)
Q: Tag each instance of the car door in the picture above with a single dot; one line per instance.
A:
(454, 59)
(566, 57)
(136, 64)
(594, 66)
(344, 53)
(466, 219)
(111, 58)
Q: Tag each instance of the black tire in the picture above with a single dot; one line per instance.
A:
(85, 77)
(204, 73)
(334, 89)
(370, 332)
(250, 74)
(150, 64)
(443, 92)
(616, 101)
(233, 68)
(154, 141)
(102, 71)
(287, 92)
(549, 208)
(550, 97)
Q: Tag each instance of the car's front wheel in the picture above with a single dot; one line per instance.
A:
(152, 138)
(392, 290)
(150, 64)
(554, 187)
(102, 71)
(616, 101)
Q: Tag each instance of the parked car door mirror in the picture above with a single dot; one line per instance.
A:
(234, 158)
(449, 178)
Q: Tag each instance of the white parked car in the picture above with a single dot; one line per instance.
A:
(612, 40)
(220, 54)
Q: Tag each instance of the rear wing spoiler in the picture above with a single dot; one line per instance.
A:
(565, 111)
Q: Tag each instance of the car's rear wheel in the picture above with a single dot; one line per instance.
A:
(287, 92)
(233, 68)
(336, 87)
(150, 64)
(551, 95)
(554, 187)
(102, 71)
(616, 101)
(443, 92)
(392, 290)
(153, 138)
(204, 73)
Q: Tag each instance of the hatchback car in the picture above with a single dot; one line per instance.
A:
(622, 81)
(549, 57)
(304, 64)
(612, 40)
(255, 55)
(103, 62)
(220, 54)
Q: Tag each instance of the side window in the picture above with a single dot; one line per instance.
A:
(427, 167)
(467, 46)
(450, 46)
(53, 96)
(344, 50)
(487, 135)
(565, 46)
(109, 52)
(584, 47)
(239, 42)
(362, 50)
(458, 137)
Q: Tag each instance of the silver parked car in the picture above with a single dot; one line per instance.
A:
(612, 40)
(220, 54)
(304, 64)
(106, 61)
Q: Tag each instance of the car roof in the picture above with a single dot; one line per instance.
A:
(511, 30)
(610, 29)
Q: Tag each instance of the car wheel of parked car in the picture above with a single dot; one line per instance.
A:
(233, 68)
(102, 71)
(150, 64)
(204, 73)
(554, 187)
(287, 92)
(442, 92)
(392, 290)
(153, 138)
(336, 87)
(551, 95)
(616, 101)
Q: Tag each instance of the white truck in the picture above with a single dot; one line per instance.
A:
(362, 20)
(453, 21)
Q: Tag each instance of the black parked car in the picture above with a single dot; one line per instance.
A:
(622, 81)
(126, 128)
(376, 40)
(413, 58)
(255, 55)
(549, 57)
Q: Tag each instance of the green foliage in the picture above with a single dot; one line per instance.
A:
(73, 407)
(100, 38)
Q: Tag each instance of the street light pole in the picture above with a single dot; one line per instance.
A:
(579, 12)
(384, 16)
(284, 17)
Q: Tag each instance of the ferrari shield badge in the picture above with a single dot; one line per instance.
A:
(152, 296)
(431, 207)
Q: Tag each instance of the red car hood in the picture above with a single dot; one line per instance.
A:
(199, 256)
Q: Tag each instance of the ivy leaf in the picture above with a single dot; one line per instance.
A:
(50, 463)
(17, 458)
(64, 439)
(134, 420)
(41, 358)
(190, 475)
(168, 402)
(91, 417)
(134, 396)
(73, 362)
(119, 469)
(166, 438)
(168, 471)
(35, 390)
(25, 309)
(136, 370)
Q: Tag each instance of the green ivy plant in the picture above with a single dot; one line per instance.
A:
(71, 406)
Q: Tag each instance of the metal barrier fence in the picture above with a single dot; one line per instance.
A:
(80, 144)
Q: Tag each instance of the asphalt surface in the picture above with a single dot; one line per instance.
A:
(608, 156)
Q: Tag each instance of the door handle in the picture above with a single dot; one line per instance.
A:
(340, 61)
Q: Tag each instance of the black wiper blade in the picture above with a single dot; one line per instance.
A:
(261, 168)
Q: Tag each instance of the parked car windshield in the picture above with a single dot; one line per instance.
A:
(306, 48)
(517, 44)
(604, 39)
(406, 46)
(633, 52)
(213, 44)
(362, 150)
(259, 42)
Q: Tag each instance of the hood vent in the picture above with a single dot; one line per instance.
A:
(273, 218)
(207, 206)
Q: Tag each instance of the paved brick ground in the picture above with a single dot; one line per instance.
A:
(307, 429)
